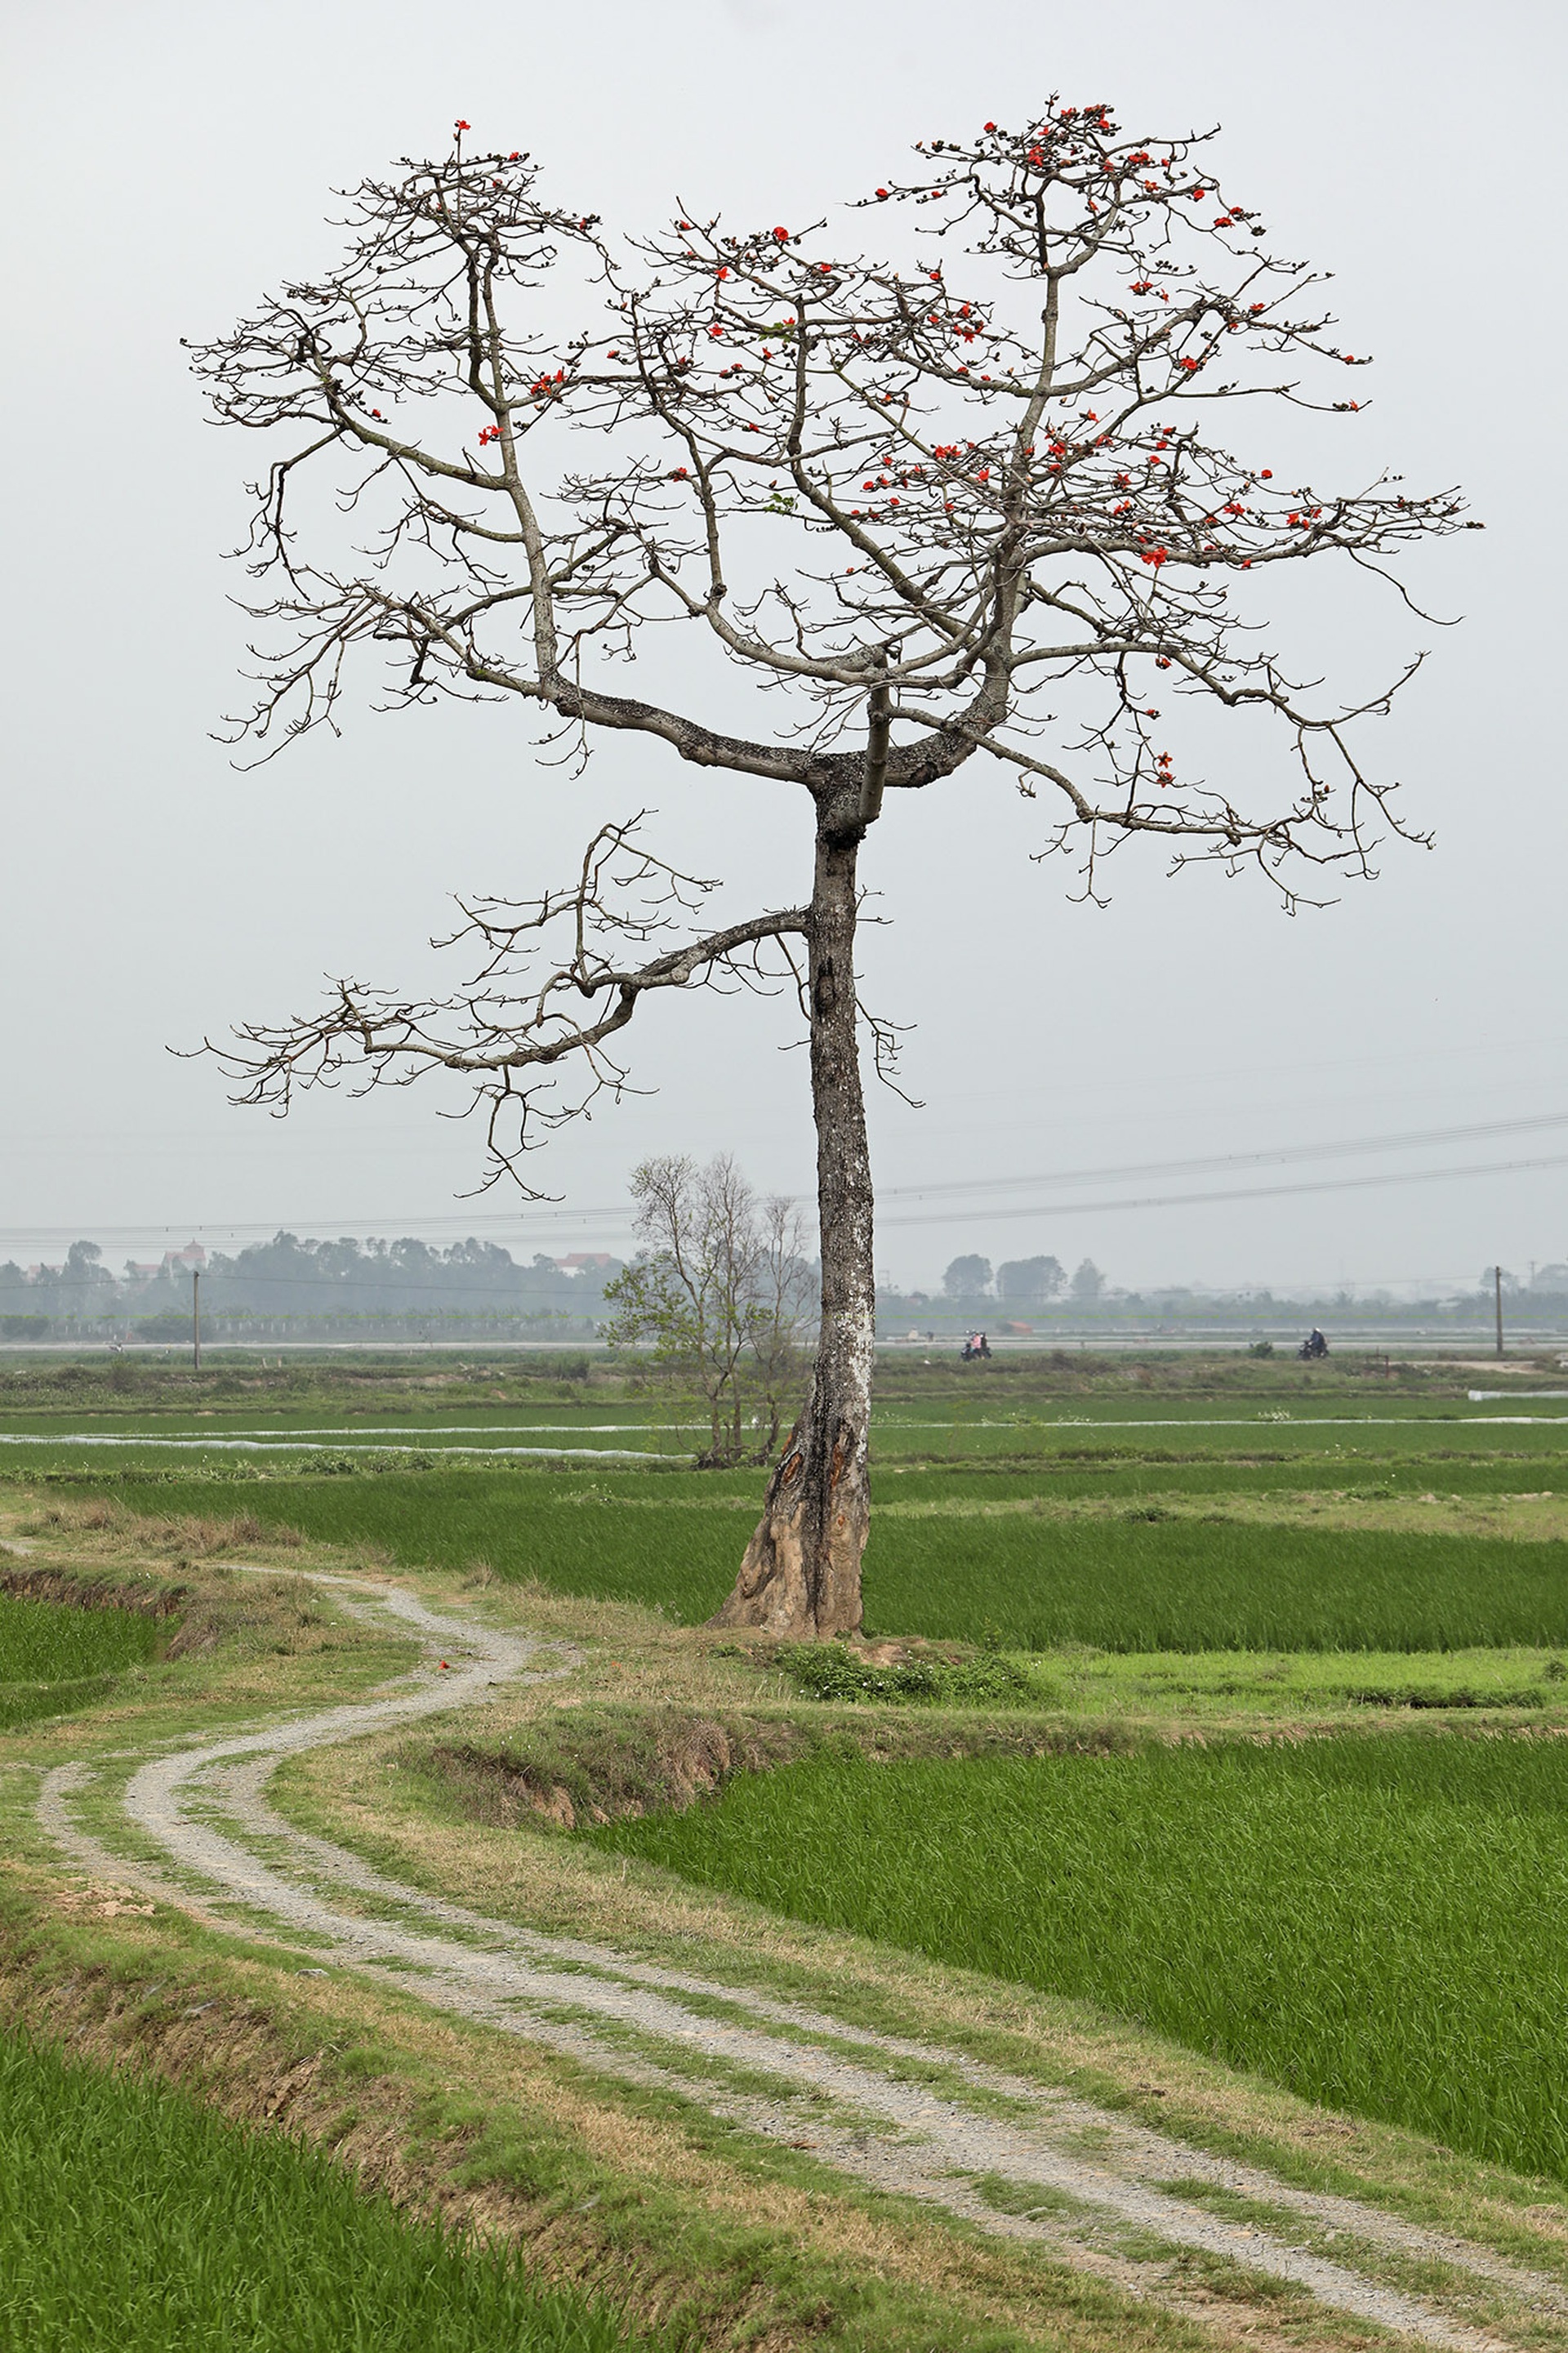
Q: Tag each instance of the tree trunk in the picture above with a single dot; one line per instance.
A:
(801, 1575)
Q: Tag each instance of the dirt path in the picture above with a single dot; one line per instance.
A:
(850, 2095)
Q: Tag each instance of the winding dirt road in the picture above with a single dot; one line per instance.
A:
(845, 2092)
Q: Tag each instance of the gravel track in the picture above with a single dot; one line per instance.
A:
(841, 2091)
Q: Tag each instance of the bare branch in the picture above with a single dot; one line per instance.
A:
(519, 1012)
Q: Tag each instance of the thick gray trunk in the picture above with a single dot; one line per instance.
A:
(801, 1575)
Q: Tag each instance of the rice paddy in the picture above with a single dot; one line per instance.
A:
(135, 2219)
(1376, 1923)
(1369, 1918)
(1123, 1581)
(53, 1658)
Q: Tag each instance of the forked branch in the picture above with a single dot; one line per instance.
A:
(520, 1014)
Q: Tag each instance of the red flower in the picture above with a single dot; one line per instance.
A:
(991, 126)
(881, 195)
(781, 236)
(824, 268)
(1267, 475)
(721, 273)
(1189, 363)
(459, 126)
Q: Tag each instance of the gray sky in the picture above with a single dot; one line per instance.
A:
(166, 162)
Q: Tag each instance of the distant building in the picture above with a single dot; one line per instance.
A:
(193, 1258)
(579, 1259)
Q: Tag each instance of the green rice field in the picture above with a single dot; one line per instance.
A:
(52, 1657)
(1380, 1924)
(135, 2220)
(42, 1642)
(974, 1532)
(1120, 1582)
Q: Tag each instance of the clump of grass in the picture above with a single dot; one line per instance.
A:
(830, 1670)
(1376, 1922)
(135, 2219)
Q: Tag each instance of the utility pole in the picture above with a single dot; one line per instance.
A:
(197, 1320)
(1497, 1283)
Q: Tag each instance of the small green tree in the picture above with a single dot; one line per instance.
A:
(722, 1290)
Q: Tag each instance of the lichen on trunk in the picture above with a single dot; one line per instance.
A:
(801, 1574)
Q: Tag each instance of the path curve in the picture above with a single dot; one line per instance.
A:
(838, 2091)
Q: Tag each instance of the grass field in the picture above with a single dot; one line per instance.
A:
(52, 1657)
(1120, 1582)
(134, 2221)
(1376, 1923)
(1341, 1867)
(42, 1642)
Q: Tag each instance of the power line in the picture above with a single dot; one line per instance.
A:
(617, 1215)
(1407, 1139)
(1235, 1193)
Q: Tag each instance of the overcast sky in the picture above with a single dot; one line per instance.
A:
(166, 163)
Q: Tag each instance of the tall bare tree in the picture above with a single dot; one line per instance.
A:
(970, 504)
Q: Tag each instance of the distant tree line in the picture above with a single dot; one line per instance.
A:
(291, 1287)
(1022, 1282)
(971, 1289)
